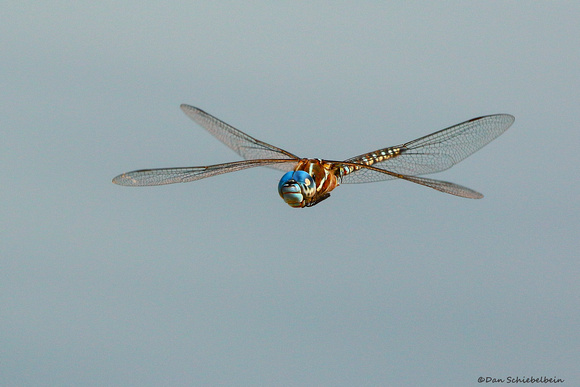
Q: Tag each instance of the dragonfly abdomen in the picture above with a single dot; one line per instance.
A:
(371, 158)
(380, 155)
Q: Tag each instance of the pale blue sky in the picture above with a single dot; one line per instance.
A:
(219, 281)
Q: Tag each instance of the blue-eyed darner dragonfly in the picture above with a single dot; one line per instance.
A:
(307, 182)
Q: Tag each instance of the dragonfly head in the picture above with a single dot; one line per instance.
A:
(296, 188)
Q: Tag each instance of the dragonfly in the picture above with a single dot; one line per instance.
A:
(308, 181)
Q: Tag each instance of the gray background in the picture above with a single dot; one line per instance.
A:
(219, 281)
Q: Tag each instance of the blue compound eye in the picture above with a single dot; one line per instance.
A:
(303, 178)
(287, 176)
(295, 187)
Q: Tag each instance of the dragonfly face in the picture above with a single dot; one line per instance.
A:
(297, 188)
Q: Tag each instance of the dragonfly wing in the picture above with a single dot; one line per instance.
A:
(445, 186)
(161, 176)
(370, 173)
(435, 152)
(243, 144)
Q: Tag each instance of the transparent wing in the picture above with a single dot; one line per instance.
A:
(244, 145)
(445, 186)
(161, 176)
(435, 152)
(369, 173)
